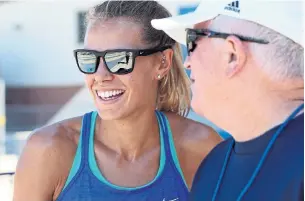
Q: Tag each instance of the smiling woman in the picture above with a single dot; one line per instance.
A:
(138, 145)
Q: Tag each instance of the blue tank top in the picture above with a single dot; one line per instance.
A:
(86, 182)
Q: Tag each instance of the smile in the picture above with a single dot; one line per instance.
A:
(110, 94)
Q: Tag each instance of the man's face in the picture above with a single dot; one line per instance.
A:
(207, 64)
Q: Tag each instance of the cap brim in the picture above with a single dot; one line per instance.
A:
(175, 26)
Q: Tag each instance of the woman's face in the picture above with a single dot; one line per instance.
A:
(118, 96)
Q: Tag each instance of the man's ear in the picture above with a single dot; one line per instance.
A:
(236, 56)
(165, 63)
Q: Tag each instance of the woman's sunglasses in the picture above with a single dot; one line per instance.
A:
(193, 34)
(120, 61)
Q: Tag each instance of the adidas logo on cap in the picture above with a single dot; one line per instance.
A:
(234, 6)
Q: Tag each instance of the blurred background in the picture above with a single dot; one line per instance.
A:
(39, 80)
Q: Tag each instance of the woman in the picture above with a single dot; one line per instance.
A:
(136, 146)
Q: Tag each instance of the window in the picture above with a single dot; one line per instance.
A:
(81, 29)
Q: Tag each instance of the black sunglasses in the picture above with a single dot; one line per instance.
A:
(119, 61)
(193, 34)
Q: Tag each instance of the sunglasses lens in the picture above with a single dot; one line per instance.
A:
(86, 62)
(119, 62)
(191, 38)
(189, 47)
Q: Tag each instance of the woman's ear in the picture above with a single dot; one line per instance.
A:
(165, 63)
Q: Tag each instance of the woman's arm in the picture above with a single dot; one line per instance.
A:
(43, 165)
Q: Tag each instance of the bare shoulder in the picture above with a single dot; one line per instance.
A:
(64, 132)
(46, 159)
(192, 133)
(60, 136)
(193, 141)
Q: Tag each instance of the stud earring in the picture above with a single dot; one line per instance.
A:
(159, 77)
(163, 59)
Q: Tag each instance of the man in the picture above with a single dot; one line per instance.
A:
(247, 68)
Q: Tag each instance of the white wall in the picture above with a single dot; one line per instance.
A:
(40, 51)
(37, 39)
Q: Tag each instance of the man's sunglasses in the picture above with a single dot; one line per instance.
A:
(193, 34)
(120, 61)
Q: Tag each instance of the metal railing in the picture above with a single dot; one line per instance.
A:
(7, 186)
(7, 174)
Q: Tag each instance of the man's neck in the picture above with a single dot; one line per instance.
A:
(264, 114)
(128, 137)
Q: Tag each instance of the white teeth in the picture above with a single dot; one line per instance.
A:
(107, 94)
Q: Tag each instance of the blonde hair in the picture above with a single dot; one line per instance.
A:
(174, 89)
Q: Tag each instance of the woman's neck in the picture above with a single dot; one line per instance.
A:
(130, 136)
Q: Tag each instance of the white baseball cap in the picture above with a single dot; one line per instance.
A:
(284, 17)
